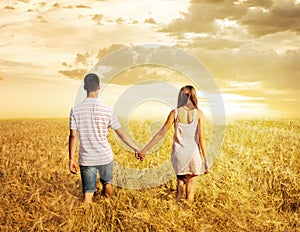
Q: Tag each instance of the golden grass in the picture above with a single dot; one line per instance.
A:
(253, 184)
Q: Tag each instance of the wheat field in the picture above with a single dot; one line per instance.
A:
(253, 184)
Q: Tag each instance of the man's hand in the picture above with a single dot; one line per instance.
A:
(141, 155)
(73, 167)
(136, 154)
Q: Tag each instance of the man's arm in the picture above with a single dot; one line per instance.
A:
(72, 148)
(126, 139)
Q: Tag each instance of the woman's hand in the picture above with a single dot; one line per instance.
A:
(206, 168)
(136, 154)
(142, 155)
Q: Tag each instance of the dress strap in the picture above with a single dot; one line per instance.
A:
(176, 115)
(195, 115)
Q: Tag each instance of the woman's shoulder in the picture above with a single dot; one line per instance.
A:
(173, 111)
(200, 114)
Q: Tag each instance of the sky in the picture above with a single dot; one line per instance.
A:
(251, 48)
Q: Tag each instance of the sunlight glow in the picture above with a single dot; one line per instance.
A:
(254, 85)
(238, 2)
(190, 35)
(256, 8)
(226, 23)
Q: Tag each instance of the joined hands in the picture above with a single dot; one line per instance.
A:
(141, 155)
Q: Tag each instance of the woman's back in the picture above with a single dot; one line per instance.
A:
(185, 150)
(185, 115)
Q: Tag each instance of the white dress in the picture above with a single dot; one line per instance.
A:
(185, 156)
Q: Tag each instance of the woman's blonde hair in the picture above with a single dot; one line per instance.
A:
(186, 93)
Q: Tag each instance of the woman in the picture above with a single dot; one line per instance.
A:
(188, 142)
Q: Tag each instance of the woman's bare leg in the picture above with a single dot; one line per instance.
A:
(190, 188)
(180, 189)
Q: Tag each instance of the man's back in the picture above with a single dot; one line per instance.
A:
(91, 119)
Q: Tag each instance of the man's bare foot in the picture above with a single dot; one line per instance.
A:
(87, 198)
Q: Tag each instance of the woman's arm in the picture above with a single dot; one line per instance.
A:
(202, 144)
(160, 134)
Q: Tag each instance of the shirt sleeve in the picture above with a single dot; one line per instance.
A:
(72, 120)
(114, 122)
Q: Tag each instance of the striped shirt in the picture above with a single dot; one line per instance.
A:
(91, 119)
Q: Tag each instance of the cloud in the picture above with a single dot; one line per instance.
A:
(80, 66)
(136, 75)
(82, 6)
(259, 3)
(108, 50)
(258, 17)
(83, 62)
(282, 71)
(21, 72)
(1, 78)
(120, 21)
(42, 4)
(119, 68)
(8, 8)
(83, 59)
(68, 7)
(41, 19)
(150, 21)
(214, 43)
(202, 15)
(16, 65)
(281, 16)
(275, 71)
(76, 74)
(97, 18)
(272, 59)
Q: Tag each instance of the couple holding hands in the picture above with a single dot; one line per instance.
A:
(91, 119)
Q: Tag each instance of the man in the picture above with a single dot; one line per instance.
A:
(92, 119)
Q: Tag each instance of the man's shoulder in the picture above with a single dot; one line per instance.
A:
(96, 102)
(104, 106)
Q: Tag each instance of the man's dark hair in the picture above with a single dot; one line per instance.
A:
(91, 82)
